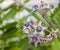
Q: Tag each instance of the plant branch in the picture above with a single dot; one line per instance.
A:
(50, 24)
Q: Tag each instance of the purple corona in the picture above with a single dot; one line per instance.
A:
(36, 32)
(51, 6)
(35, 7)
(26, 24)
(34, 38)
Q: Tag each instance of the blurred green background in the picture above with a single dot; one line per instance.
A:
(12, 16)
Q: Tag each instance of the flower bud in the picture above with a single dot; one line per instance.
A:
(34, 38)
(25, 31)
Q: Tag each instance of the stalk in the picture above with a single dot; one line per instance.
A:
(50, 24)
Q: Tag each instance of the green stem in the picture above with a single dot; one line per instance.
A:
(50, 24)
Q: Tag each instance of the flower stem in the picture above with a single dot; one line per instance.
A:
(50, 24)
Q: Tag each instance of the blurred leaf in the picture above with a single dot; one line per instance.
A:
(11, 14)
(56, 17)
(0, 20)
(55, 44)
(14, 48)
(2, 44)
(24, 44)
(1, 1)
(9, 25)
(58, 36)
(9, 33)
(26, 1)
(10, 6)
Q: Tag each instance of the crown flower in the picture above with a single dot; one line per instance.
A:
(43, 7)
(35, 32)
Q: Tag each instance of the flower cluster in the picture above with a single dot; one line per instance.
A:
(42, 8)
(35, 31)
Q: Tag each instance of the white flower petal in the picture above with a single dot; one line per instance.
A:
(42, 34)
(6, 3)
(35, 44)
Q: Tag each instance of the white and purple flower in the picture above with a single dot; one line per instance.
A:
(42, 8)
(35, 32)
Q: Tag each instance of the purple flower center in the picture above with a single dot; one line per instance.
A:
(36, 6)
(26, 24)
(34, 38)
(51, 6)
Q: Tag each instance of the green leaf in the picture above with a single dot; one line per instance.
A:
(11, 14)
(9, 33)
(55, 18)
(0, 20)
(55, 44)
(26, 1)
(24, 44)
(1, 1)
(9, 25)
(13, 5)
(15, 48)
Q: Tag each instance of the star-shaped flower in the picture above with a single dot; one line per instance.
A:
(33, 38)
